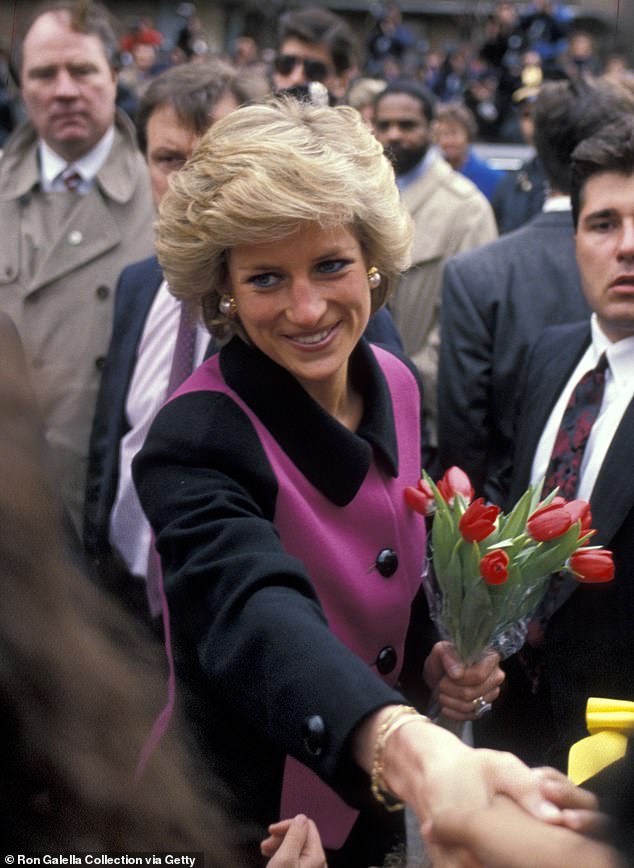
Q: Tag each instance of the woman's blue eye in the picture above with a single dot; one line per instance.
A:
(332, 266)
(264, 281)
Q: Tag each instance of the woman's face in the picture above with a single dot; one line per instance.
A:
(304, 301)
(453, 141)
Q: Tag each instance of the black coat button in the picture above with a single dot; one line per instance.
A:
(103, 292)
(100, 363)
(386, 660)
(314, 734)
(387, 562)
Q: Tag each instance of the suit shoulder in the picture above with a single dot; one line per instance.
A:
(460, 187)
(146, 268)
(512, 246)
(557, 335)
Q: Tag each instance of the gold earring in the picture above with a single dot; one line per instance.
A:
(374, 277)
(227, 306)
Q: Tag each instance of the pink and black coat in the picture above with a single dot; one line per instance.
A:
(291, 566)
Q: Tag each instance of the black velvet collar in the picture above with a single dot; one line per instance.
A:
(333, 459)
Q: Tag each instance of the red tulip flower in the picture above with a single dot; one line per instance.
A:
(592, 565)
(420, 498)
(494, 567)
(478, 521)
(455, 481)
(579, 510)
(549, 522)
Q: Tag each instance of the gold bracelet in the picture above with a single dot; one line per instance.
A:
(401, 715)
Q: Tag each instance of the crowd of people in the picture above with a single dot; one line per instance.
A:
(242, 306)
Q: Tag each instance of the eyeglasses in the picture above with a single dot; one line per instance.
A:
(314, 70)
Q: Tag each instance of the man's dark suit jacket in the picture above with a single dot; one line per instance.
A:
(136, 289)
(496, 300)
(589, 642)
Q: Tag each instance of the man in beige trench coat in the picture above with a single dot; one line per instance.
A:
(449, 213)
(75, 209)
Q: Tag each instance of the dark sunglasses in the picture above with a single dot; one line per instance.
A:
(314, 70)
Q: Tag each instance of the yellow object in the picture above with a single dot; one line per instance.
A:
(609, 722)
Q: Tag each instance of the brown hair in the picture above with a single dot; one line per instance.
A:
(457, 113)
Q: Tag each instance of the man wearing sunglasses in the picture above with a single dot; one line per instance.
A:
(315, 45)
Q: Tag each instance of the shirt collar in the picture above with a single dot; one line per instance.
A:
(51, 164)
(556, 203)
(620, 354)
(278, 399)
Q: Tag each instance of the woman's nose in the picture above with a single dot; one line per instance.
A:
(306, 304)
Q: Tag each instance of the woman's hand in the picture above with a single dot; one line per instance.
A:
(294, 844)
(444, 780)
(456, 686)
(501, 835)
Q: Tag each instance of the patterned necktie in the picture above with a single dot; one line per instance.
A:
(183, 358)
(71, 179)
(570, 443)
(563, 470)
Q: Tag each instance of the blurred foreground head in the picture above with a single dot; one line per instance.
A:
(78, 686)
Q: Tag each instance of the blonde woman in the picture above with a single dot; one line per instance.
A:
(274, 482)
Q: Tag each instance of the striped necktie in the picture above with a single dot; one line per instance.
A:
(71, 178)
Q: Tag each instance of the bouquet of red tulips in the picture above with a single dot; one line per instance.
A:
(490, 571)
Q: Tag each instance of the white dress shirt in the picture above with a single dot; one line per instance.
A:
(619, 391)
(130, 532)
(52, 166)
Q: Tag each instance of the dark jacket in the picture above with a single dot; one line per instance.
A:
(589, 641)
(496, 301)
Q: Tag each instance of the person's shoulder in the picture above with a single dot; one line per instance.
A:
(197, 422)
(143, 269)
(123, 176)
(18, 167)
(469, 261)
(562, 333)
(456, 184)
(22, 138)
(552, 342)
(512, 244)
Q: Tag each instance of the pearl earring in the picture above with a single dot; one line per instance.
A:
(227, 306)
(374, 277)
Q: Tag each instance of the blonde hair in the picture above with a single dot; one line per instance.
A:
(260, 174)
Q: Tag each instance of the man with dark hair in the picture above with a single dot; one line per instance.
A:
(498, 299)
(75, 208)
(314, 44)
(177, 108)
(587, 643)
(450, 214)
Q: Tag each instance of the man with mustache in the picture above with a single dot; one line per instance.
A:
(75, 208)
